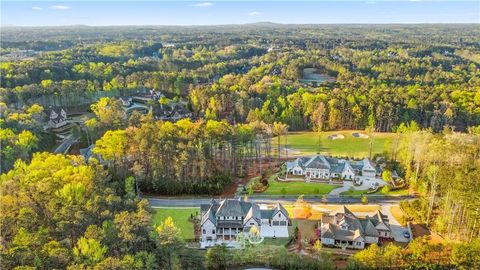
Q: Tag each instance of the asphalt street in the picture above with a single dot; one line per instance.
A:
(330, 199)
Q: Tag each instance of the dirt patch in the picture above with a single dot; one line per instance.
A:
(360, 135)
(421, 230)
(336, 137)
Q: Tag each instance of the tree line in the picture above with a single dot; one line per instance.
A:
(445, 169)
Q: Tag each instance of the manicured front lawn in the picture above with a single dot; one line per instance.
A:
(306, 143)
(180, 217)
(378, 192)
(402, 192)
(297, 188)
(354, 192)
(398, 214)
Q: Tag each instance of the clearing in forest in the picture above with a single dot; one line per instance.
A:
(306, 143)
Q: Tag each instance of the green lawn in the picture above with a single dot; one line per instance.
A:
(180, 217)
(378, 192)
(306, 143)
(297, 188)
(354, 192)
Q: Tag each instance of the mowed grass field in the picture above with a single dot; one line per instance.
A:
(306, 143)
(297, 188)
(180, 217)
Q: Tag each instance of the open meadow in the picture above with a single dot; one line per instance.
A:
(306, 143)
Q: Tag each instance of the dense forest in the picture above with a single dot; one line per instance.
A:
(384, 75)
(243, 85)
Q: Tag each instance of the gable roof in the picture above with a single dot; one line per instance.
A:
(254, 212)
(356, 229)
(368, 163)
(233, 207)
(279, 208)
(318, 162)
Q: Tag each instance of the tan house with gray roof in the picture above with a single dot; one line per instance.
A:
(344, 229)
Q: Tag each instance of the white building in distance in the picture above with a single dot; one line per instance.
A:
(322, 167)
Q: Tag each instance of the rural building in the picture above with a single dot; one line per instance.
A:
(222, 221)
(344, 229)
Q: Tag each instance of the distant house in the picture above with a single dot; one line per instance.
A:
(322, 167)
(170, 112)
(126, 101)
(344, 229)
(222, 221)
(57, 119)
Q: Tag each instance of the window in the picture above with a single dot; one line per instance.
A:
(251, 223)
(204, 232)
(279, 215)
(275, 223)
(283, 223)
(213, 231)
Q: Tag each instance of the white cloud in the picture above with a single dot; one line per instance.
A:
(37, 8)
(204, 4)
(254, 13)
(60, 7)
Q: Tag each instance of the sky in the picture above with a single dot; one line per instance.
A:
(103, 13)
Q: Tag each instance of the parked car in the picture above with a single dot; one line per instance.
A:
(406, 234)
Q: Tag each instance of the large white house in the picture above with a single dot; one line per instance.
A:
(322, 167)
(222, 221)
(344, 229)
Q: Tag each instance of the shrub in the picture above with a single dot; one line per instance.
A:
(385, 189)
(364, 199)
(217, 257)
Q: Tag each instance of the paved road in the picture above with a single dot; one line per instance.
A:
(196, 202)
(65, 145)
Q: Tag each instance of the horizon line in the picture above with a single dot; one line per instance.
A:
(260, 23)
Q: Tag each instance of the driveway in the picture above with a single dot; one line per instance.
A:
(367, 182)
(397, 229)
(346, 186)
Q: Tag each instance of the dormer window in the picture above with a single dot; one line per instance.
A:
(344, 226)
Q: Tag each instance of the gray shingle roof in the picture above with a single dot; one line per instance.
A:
(357, 227)
(318, 162)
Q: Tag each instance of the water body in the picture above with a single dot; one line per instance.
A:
(313, 75)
